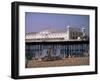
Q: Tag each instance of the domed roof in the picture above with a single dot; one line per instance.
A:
(48, 31)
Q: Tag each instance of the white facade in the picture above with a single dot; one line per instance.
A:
(70, 34)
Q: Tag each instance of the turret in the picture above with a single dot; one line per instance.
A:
(68, 32)
(84, 32)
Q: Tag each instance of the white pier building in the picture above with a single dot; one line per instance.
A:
(68, 34)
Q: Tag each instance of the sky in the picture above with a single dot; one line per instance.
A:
(35, 22)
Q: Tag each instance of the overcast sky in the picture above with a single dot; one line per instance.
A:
(35, 22)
